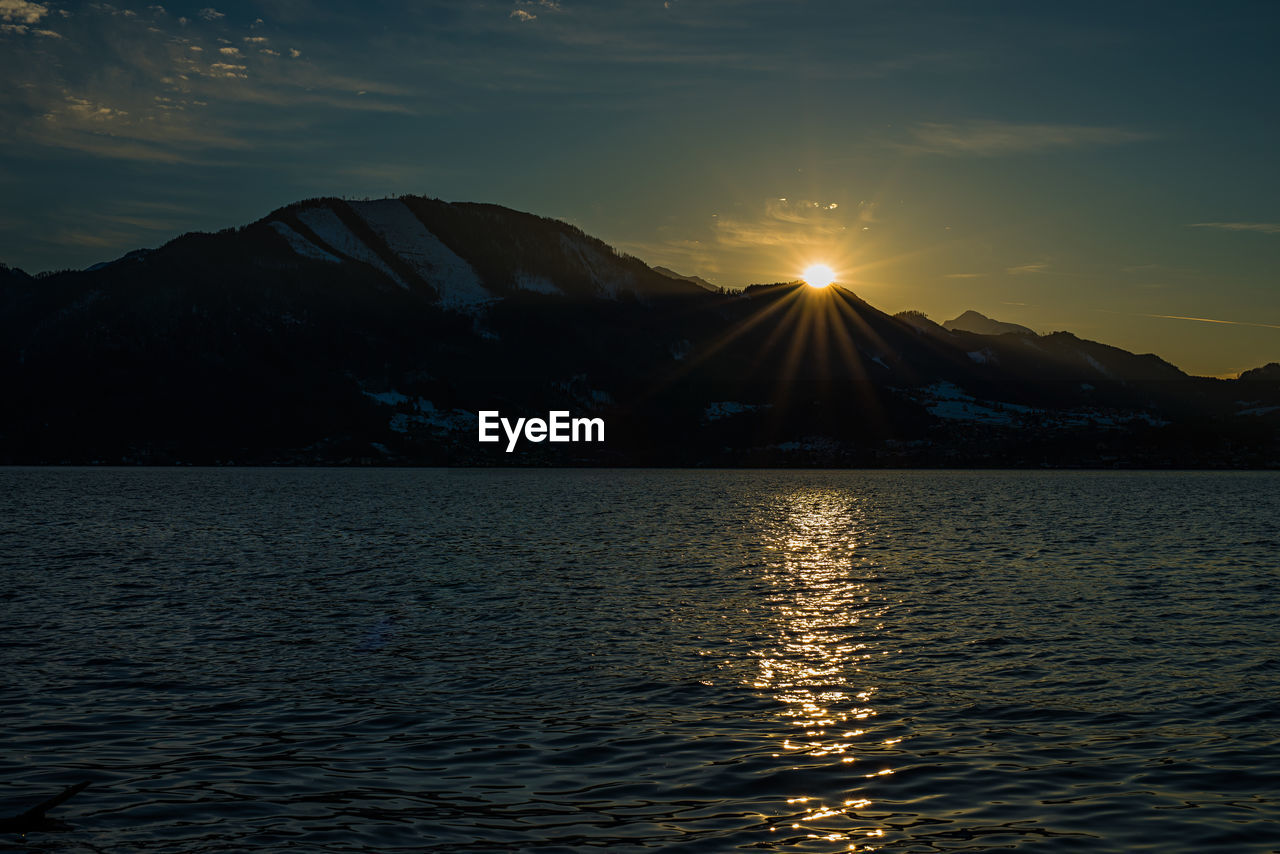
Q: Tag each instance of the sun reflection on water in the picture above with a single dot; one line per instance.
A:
(825, 614)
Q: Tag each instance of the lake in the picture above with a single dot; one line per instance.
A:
(384, 660)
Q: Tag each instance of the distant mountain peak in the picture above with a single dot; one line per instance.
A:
(1269, 372)
(697, 280)
(466, 255)
(972, 321)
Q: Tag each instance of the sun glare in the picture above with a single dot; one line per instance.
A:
(819, 275)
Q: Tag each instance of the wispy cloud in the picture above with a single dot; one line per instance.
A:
(522, 15)
(1026, 269)
(963, 276)
(152, 88)
(23, 29)
(987, 138)
(795, 222)
(1263, 227)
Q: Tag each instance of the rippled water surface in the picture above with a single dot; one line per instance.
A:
(410, 660)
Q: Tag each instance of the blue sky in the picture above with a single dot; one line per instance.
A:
(1105, 168)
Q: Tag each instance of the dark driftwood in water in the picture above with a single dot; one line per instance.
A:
(34, 818)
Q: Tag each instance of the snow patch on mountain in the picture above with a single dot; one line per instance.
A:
(1097, 366)
(388, 398)
(300, 245)
(811, 444)
(950, 402)
(427, 415)
(947, 400)
(969, 410)
(579, 388)
(537, 284)
(983, 357)
(453, 278)
(329, 228)
(135, 255)
(603, 271)
(423, 413)
(727, 408)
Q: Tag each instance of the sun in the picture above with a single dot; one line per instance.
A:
(819, 275)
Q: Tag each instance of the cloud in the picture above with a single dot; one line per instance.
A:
(22, 12)
(20, 16)
(83, 108)
(211, 14)
(23, 29)
(1263, 227)
(782, 222)
(524, 15)
(153, 90)
(228, 69)
(964, 275)
(1024, 269)
(256, 39)
(732, 246)
(986, 139)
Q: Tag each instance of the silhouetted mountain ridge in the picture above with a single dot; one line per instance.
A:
(697, 280)
(335, 331)
(972, 321)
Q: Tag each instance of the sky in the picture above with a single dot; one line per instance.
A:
(1109, 169)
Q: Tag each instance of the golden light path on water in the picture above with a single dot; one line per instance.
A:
(825, 610)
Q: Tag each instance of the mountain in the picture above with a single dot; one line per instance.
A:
(697, 280)
(374, 332)
(972, 321)
(1269, 373)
